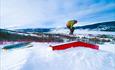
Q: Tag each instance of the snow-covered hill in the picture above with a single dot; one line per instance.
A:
(80, 31)
(103, 26)
(42, 57)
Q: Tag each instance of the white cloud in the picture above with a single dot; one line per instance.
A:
(47, 13)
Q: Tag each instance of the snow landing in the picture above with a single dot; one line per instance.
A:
(41, 57)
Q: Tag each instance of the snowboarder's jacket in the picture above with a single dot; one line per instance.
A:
(71, 23)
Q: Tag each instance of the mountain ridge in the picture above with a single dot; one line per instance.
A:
(103, 26)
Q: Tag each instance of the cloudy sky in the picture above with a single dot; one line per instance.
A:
(54, 13)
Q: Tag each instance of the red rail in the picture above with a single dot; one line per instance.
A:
(75, 44)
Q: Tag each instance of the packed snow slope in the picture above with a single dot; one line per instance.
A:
(42, 57)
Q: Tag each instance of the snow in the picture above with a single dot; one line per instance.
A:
(81, 31)
(108, 47)
(13, 59)
(42, 57)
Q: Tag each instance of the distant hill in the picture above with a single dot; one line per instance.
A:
(35, 30)
(104, 26)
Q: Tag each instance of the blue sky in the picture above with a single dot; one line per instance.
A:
(54, 13)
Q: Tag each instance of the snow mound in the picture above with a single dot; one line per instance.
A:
(43, 58)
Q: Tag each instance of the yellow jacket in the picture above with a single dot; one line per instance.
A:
(70, 23)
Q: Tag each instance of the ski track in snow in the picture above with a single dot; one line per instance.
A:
(41, 57)
(13, 59)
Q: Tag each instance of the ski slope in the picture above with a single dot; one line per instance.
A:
(80, 31)
(42, 57)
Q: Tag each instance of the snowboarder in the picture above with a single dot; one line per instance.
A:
(70, 24)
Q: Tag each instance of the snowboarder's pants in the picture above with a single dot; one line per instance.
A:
(71, 29)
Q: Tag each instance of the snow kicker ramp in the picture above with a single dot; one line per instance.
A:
(74, 44)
